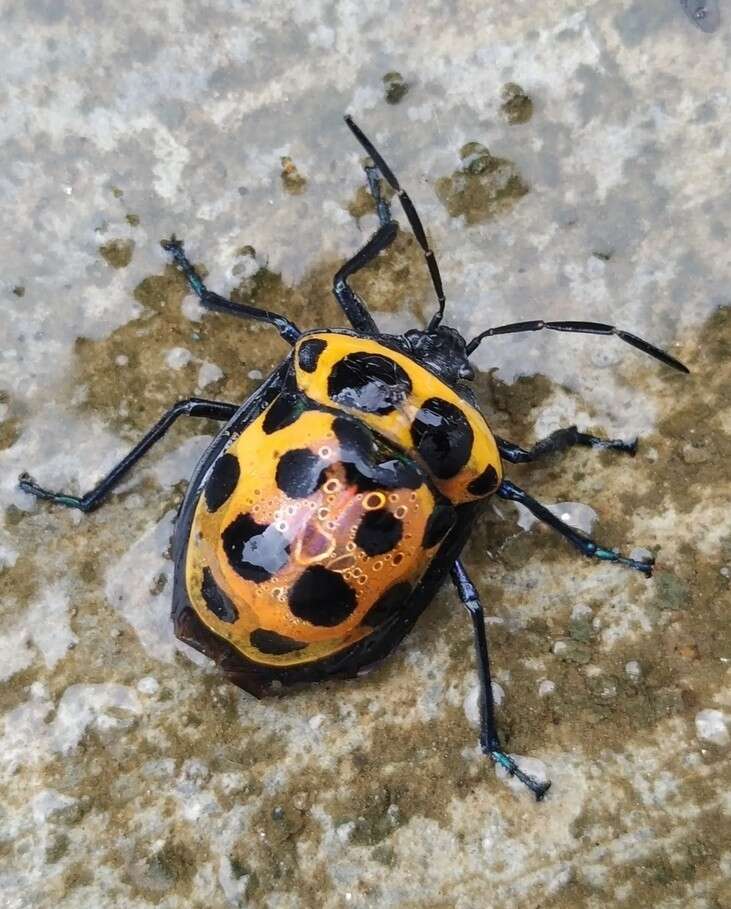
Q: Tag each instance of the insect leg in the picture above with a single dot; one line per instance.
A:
(489, 738)
(192, 407)
(560, 440)
(411, 214)
(288, 330)
(350, 302)
(383, 209)
(583, 543)
(590, 328)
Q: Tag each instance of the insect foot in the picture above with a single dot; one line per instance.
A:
(646, 566)
(538, 788)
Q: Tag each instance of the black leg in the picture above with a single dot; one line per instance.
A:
(489, 739)
(383, 209)
(193, 407)
(590, 328)
(560, 440)
(288, 330)
(583, 543)
(350, 302)
(412, 216)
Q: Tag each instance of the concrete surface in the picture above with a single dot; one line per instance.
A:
(130, 775)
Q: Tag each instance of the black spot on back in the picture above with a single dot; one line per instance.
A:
(378, 532)
(271, 642)
(354, 437)
(388, 604)
(216, 600)
(440, 522)
(222, 481)
(393, 474)
(369, 382)
(369, 463)
(443, 437)
(309, 354)
(254, 551)
(398, 473)
(284, 411)
(486, 483)
(300, 472)
(322, 597)
(362, 481)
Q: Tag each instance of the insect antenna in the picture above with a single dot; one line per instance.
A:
(411, 215)
(590, 328)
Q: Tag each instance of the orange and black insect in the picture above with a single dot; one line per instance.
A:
(336, 500)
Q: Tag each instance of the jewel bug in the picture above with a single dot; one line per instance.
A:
(336, 500)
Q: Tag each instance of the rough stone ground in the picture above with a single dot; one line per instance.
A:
(594, 186)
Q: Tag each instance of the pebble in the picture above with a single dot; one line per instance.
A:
(546, 687)
(712, 726)
(148, 685)
(693, 455)
(572, 652)
(178, 357)
(208, 374)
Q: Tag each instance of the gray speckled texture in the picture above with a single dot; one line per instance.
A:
(130, 774)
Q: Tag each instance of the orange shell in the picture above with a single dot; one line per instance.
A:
(319, 534)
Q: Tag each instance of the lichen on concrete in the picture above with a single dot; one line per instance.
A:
(118, 253)
(483, 187)
(517, 106)
(292, 180)
(395, 87)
